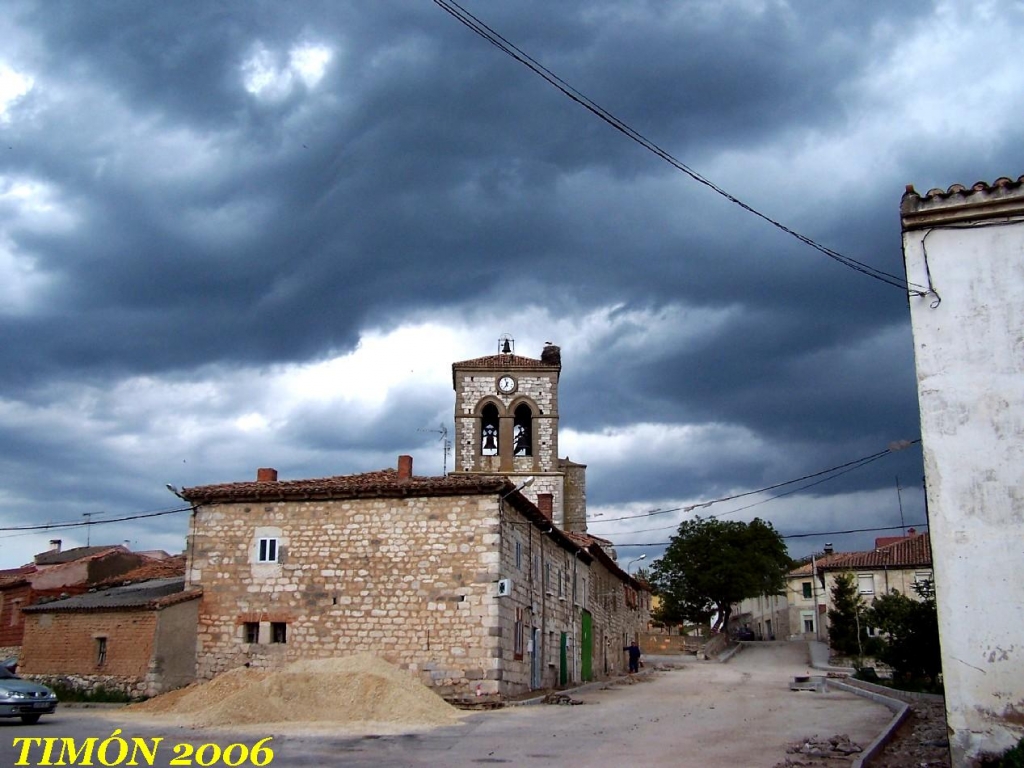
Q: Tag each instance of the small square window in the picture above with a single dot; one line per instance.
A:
(101, 651)
(267, 552)
(278, 632)
(251, 632)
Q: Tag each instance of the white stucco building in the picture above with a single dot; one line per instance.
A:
(965, 248)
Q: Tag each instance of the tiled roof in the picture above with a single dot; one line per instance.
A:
(381, 484)
(77, 553)
(595, 546)
(1003, 197)
(167, 568)
(911, 552)
(13, 576)
(157, 593)
(959, 190)
(504, 362)
(819, 561)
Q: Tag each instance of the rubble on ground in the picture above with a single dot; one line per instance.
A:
(815, 751)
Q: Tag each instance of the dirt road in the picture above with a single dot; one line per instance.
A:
(701, 715)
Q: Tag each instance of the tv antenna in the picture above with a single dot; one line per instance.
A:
(442, 430)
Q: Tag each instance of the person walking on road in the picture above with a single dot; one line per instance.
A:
(634, 657)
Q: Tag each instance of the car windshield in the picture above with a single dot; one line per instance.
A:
(6, 674)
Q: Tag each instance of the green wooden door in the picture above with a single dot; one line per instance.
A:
(587, 647)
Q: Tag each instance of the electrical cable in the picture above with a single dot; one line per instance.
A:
(848, 466)
(79, 524)
(789, 536)
(480, 28)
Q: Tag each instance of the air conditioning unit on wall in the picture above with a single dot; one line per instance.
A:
(504, 587)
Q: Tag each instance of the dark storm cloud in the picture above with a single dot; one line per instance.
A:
(427, 172)
(393, 186)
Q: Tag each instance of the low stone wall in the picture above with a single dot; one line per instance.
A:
(654, 644)
(136, 689)
(7, 651)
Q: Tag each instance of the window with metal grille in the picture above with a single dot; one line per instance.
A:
(278, 632)
(251, 632)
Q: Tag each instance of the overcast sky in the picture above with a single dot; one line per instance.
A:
(254, 234)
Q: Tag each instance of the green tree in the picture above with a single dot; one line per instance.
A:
(847, 626)
(910, 632)
(711, 564)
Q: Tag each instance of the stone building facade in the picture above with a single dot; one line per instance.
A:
(482, 582)
(461, 580)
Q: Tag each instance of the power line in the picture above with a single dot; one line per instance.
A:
(480, 28)
(55, 526)
(788, 536)
(848, 466)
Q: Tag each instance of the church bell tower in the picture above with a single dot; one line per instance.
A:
(506, 423)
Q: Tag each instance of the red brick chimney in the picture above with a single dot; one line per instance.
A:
(545, 503)
(404, 467)
(266, 475)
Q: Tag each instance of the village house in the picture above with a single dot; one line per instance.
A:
(962, 250)
(138, 639)
(133, 633)
(480, 582)
(55, 573)
(801, 610)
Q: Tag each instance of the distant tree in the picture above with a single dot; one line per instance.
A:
(910, 632)
(847, 633)
(711, 564)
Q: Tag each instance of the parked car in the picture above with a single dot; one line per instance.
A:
(24, 699)
(745, 633)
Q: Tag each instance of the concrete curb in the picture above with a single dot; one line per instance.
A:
(728, 653)
(900, 708)
(539, 699)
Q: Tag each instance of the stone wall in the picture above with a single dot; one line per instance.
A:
(410, 580)
(540, 389)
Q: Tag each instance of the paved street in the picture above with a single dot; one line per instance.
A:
(703, 714)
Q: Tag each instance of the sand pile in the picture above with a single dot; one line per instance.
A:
(344, 691)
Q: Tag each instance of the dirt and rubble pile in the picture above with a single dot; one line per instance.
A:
(815, 752)
(345, 690)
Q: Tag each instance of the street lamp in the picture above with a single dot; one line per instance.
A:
(635, 560)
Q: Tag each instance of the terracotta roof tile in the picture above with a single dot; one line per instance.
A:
(1003, 183)
(504, 362)
(911, 552)
(819, 561)
(384, 484)
(166, 568)
(77, 553)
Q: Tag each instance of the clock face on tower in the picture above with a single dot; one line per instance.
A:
(506, 384)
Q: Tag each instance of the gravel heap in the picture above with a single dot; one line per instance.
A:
(345, 690)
